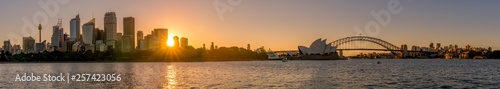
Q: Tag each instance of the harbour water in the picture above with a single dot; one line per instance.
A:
(405, 73)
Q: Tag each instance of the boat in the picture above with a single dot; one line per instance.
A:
(285, 59)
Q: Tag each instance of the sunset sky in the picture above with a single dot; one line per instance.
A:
(275, 24)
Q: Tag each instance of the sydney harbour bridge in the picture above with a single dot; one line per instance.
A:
(361, 43)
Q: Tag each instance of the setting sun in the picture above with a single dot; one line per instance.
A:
(170, 41)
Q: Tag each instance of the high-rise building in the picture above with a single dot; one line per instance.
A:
(7, 46)
(126, 44)
(140, 36)
(129, 30)
(57, 36)
(110, 29)
(88, 32)
(118, 43)
(39, 47)
(74, 26)
(160, 37)
(28, 44)
(176, 41)
(16, 48)
(184, 42)
(100, 34)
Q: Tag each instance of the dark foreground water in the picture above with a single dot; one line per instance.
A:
(431, 73)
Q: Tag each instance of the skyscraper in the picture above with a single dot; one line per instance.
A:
(184, 42)
(176, 41)
(140, 36)
(28, 44)
(57, 36)
(74, 26)
(88, 32)
(110, 29)
(160, 37)
(126, 44)
(118, 43)
(7, 46)
(129, 30)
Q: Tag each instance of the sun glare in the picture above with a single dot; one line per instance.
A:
(170, 41)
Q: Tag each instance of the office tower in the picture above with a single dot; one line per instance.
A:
(74, 26)
(160, 37)
(100, 35)
(57, 36)
(110, 29)
(16, 48)
(140, 36)
(184, 42)
(129, 30)
(118, 43)
(7, 46)
(28, 44)
(88, 32)
(39, 47)
(176, 41)
(248, 47)
(126, 44)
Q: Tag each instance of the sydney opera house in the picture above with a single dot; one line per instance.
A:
(319, 50)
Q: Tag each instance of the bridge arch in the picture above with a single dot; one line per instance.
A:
(385, 44)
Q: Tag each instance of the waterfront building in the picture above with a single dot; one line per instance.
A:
(118, 43)
(110, 29)
(100, 35)
(160, 37)
(184, 42)
(140, 36)
(74, 26)
(100, 45)
(7, 46)
(318, 47)
(129, 30)
(176, 41)
(28, 44)
(57, 36)
(67, 46)
(89, 32)
(39, 47)
(142, 45)
(126, 44)
(16, 49)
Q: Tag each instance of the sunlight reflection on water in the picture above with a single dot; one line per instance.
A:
(269, 74)
(170, 77)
